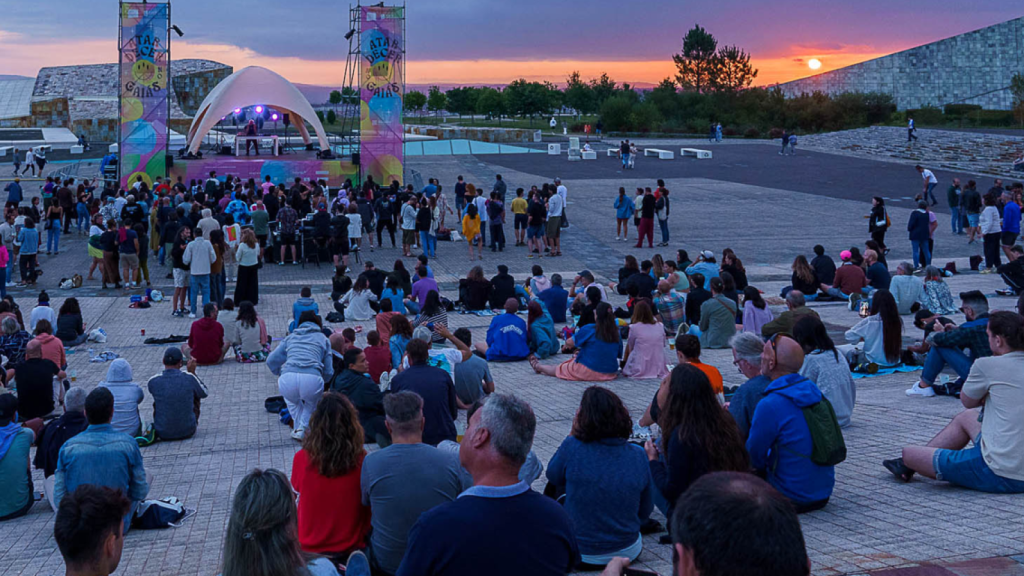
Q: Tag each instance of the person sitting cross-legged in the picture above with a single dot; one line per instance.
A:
(435, 386)
(55, 434)
(645, 348)
(366, 396)
(101, 456)
(304, 302)
(176, 397)
(541, 327)
(515, 530)
(947, 344)
(746, 354)
(555, 299)
(717, 318)
(600, 347)
(670, 307)
(906, 288)
(127, 397)
(15, 475)
(796, 308)
(936, 296)
(849, 279)
(38, 383)
(405, 480)
(473, 378)
(506, 336)
(995, 385)
(826, 367)
(206, 339)
(88, 530)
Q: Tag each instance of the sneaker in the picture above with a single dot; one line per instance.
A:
(898, 469)
(191, 315)
(298, 434)
(357, 564)
(1005, 292)
(176, 313)
(916, 390)
(295, 263)
(385, 381)
(988, 270)
(280, 263)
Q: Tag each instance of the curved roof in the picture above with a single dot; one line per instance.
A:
(248, 87)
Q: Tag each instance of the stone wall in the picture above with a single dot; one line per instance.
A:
(961, 69)
(496, 135)
(192, 88)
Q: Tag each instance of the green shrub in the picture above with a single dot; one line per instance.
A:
(752, 133)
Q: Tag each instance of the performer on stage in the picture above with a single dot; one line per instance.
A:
(250, 130)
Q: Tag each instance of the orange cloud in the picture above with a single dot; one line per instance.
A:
(792, 67)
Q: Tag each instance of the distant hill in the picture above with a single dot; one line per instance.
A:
(14, 77)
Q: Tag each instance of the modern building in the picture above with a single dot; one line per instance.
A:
(972, 68)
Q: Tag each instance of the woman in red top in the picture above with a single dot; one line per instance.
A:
(325, 473)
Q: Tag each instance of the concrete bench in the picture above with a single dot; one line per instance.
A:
(661, 154)
(554, 149)
(589, 155)
(76, 149)
(112, 149)
(4, 150)
(613, 152)
(696, 153)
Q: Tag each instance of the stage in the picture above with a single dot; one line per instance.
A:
(281, 169)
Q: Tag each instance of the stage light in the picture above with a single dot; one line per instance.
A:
(259, 109)
(238, 110)
(274, 116)
(177, 31)
(350, 34)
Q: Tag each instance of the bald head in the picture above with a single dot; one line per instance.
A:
(795, 299)
(338, 342)
(33, 349)
(664, 286)
(511, 306)
(781, 356)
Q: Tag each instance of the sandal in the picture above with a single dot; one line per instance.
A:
(534, 363)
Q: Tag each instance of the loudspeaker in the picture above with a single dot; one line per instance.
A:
(287, 120)
(355, 158)
(170, 160)
(225, 150)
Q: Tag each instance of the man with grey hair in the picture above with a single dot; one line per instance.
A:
(55, 434)
(515, 530)
(797, 308)
(906, 288)
(404, 480)
(747, 348)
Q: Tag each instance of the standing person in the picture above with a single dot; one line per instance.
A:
(556, 206)
(424, 221)
(500, 188)
(481, 208)
(286, 218)
(911, 129)
(647, 211)
(199, 256)
(408, 215)
(953, 196)
(918, 228)
(930, 182)
(624, 153)
(217, 279)
(537, 214)
(991, 233)
(520, 218)
(496, 220)
(384, 207)
(181, 278)
(16, 159)
(248, 256)
(661, 208)
(564, 193)
(128, 251)
(30, 163)
(785, 142)
(971, 204)
(624, 209)
(460, 194)
(471, 231)
(15, 194)
(878, 221)
(28, 239)
(302, 363)
(1011, 228)
(53, 217)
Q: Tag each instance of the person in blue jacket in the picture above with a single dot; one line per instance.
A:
(624, 210)
(543, 338)
(780, 442)
(305, 302)
(506, 336)
(555, 299)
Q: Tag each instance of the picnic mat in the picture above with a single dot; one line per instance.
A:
(887, 371)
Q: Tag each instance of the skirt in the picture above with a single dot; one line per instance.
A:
(95, 252)
(247, 287)
(573, 370)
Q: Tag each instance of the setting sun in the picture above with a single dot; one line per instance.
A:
(814, 63)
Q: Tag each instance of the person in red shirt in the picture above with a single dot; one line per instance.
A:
(384, 317)
(326, 473)
(206, 339)
(378, 355)
(161, 187)
(850, 278)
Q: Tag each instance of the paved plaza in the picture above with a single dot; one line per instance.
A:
(746, 199)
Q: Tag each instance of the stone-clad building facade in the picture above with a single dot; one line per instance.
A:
(972, 68)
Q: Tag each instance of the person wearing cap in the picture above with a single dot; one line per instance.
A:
(14, 194)
(176, 397)
(15, 441)
(850, 278)
(584, 280)
(706, 266)
(53, 436)
(947, 345)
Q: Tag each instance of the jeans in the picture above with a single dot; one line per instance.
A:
(930, 192)
(956, 221)
(483, 233)
(27, 264)
(460, 203)
(411, 307)
(6, 271)
(10, 268)
(83, 218)
(301, 393)
(53, 236)
(967, 468)
(429, 244)
(922, 256)
(625, 159)
(217, 286)
(161, 254)
(497, 236)
(200, 283)
(939, 357)
(991, 244)
(664, 230)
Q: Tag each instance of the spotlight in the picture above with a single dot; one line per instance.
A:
(238, 110)
(350, 33)
(177, 30)
(274, 116)
(259, 109)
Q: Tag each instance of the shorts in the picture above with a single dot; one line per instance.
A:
(262, 239)
(408, 236)
(181, 278)
(130, 260)
(340, 246)
(554, 226)
(287, 238)
(1009, 238)
(536, 232)
(368, 226)
(972, 220)
(967, 468)
(520, 222)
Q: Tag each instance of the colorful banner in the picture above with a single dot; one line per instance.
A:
(144, 61)
(381, 91)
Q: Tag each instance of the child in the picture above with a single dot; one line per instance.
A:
(624, 209)
(471, 230)
(305, 302)
(378, 356)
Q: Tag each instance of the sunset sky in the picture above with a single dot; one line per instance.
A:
(492, 41)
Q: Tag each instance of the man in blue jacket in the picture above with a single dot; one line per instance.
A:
(918, 228)
(506, 336)
(780, 442)
(555, 299)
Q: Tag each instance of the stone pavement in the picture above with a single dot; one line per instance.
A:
(872, 522)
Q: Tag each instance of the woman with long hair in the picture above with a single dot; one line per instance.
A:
(248, 256)
(218, 283)
(734, 266)
(600, 347)
(824, 366)
(645, 348)
(607, 510)
(804, 279)
(70, 328)
(433, 314)
(403, 274)
(936, 295)
(262, 538)
(232, 238)
(698, 436)
(540, 327)
(629, 267)
(471, 231)
(252, 339)
(657, 267)
(879, 251)
(756, 312)
(624, 209)
(356, 302)
(401, 333)
(95, 249)
(878, 222)
(325, 473)
(54, 216)
(881, 333)
(475, 290)
(991, 230)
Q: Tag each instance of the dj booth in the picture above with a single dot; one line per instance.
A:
(260, 141)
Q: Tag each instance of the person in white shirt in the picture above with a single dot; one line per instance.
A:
(30, 162)
(556, 210)
(408, 225)
(42, 312)
(199, 254)
(911, 129)
(564, 193)
(481, 209)
(930, 182)
(355, 304)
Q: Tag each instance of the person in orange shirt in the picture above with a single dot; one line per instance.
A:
(687, 352)
(471, 230)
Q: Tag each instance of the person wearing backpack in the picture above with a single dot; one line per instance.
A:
(787, 432)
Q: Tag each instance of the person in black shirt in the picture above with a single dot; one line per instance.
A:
(460, 194)
(537, 213)
(38, 393)
(503, 287)
(385, 210)
(824, 266)
(697, 296)
(108, 240)
(475, 290)
(375, 277)
(435, 386)
(647, 209)
(339, 239)
(644, 282)
(630, 268)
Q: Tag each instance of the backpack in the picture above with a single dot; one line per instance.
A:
(829, 448)
(163, 513)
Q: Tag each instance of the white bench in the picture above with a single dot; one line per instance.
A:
(554, 149)
(696, 153)
(112, 149)
(589, 155)
(613, 152)
(661, 154)
(4, 150)
(76, 149)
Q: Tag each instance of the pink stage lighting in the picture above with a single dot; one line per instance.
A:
(238, 110)
(259, 109)
(274, 116)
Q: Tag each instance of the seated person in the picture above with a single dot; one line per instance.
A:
(849, 279)
(127, 397)
(906, 288)
(383, 318)
(803, 279)
(304, 302)
(55, 434)
(473, 378)
(585, 308)
(924, 319)
(796, 308)
(717, 318)
(378, 356)
(1018, 164)
(543, 339)
(671, 307)
(70, 328)
(503, 288)
(779, 435)
(645, 348)
(947, 346)
(444, 358)
(227, 317)
(600, 347)
(401, 333)
(746, 355)
(176, 396)
(16, 477)
(877, 273)
(358, 303)
(877, 339)
(51, 346)
(1013, 272)
(474, 290)
(607, 510)
(581, 285)
(88, 529)
(936, 296)
(687, 352)
(252, 342)
(102, 456)
(424, 284)
(38, 383)
(696, 298)
(555, 299)
(824, 366)
(506, 336)
(364, 394)
(645, 283)
(393, 293)
(435, 386)
(995, 463)
(206, 339)
(12, 344)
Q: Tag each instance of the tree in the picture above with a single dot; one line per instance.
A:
(349, 94)
(415, 101)
(1017, 89)
(436, 100)
(332, 117)
(490, 103)
(697, 63)
(320, 116)
(462, 100)
(733, 70)
(334, 99)
(604, 88)
(645, 117)
(524, 98)
(665, 98)
(578, 94)
(616, 113)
